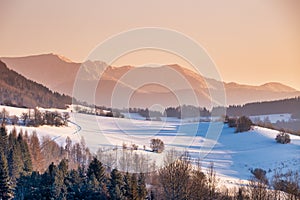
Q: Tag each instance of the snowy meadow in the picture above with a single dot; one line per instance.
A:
(233, 155)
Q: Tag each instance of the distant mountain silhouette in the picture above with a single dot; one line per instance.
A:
(174, 83)
(16, 90)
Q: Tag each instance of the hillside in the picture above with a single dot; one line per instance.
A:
(16, 90)
(49, 69)
(291, 106)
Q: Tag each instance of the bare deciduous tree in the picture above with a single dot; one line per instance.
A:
(174, 179)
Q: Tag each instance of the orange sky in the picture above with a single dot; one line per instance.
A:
(251, 41)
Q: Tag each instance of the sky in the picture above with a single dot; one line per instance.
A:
(250, 41)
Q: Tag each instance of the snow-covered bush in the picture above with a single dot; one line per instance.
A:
(283, 138)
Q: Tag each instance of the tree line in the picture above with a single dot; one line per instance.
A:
(291, 105)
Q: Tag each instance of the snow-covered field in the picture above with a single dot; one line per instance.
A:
(273, 118)
(234, 155)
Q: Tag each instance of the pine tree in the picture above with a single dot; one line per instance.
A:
(29, 187)
(134, 187)
(12, 138)
(74, 183)
(63, 167)
(142, 190)
(25, 155)
(5, 186)
(116, 185)
(53, 183)
(61, 178)
(127, 185)
(96, 168)
(3, 140)
(14, 163)
(91, 189)
(48, 182)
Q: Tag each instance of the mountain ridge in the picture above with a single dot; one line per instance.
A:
(59, 74)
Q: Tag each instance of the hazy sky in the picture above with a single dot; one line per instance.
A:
(251, 41)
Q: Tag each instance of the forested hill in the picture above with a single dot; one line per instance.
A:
(16, 90)
(268, 107)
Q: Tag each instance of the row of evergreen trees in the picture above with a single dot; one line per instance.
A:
(187, 111)
(291, 105)
(59, 182)
(15, 160)
(23, 174)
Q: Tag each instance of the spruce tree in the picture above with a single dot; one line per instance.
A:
(74, 183)
(47, 182)
(29, 187)
(116, 185)
(25, 155)
(14, 163)
(91, 189)
(5, 186)
(142, 190)
(96, 168)
(12, 138)
(53, 183)
(61, 178)
(127, 185)
(63, 167)
(3, 140)
(134, 187)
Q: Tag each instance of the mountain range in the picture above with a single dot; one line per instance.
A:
(129, 86)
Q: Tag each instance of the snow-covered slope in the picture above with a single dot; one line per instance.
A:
(234, 155)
